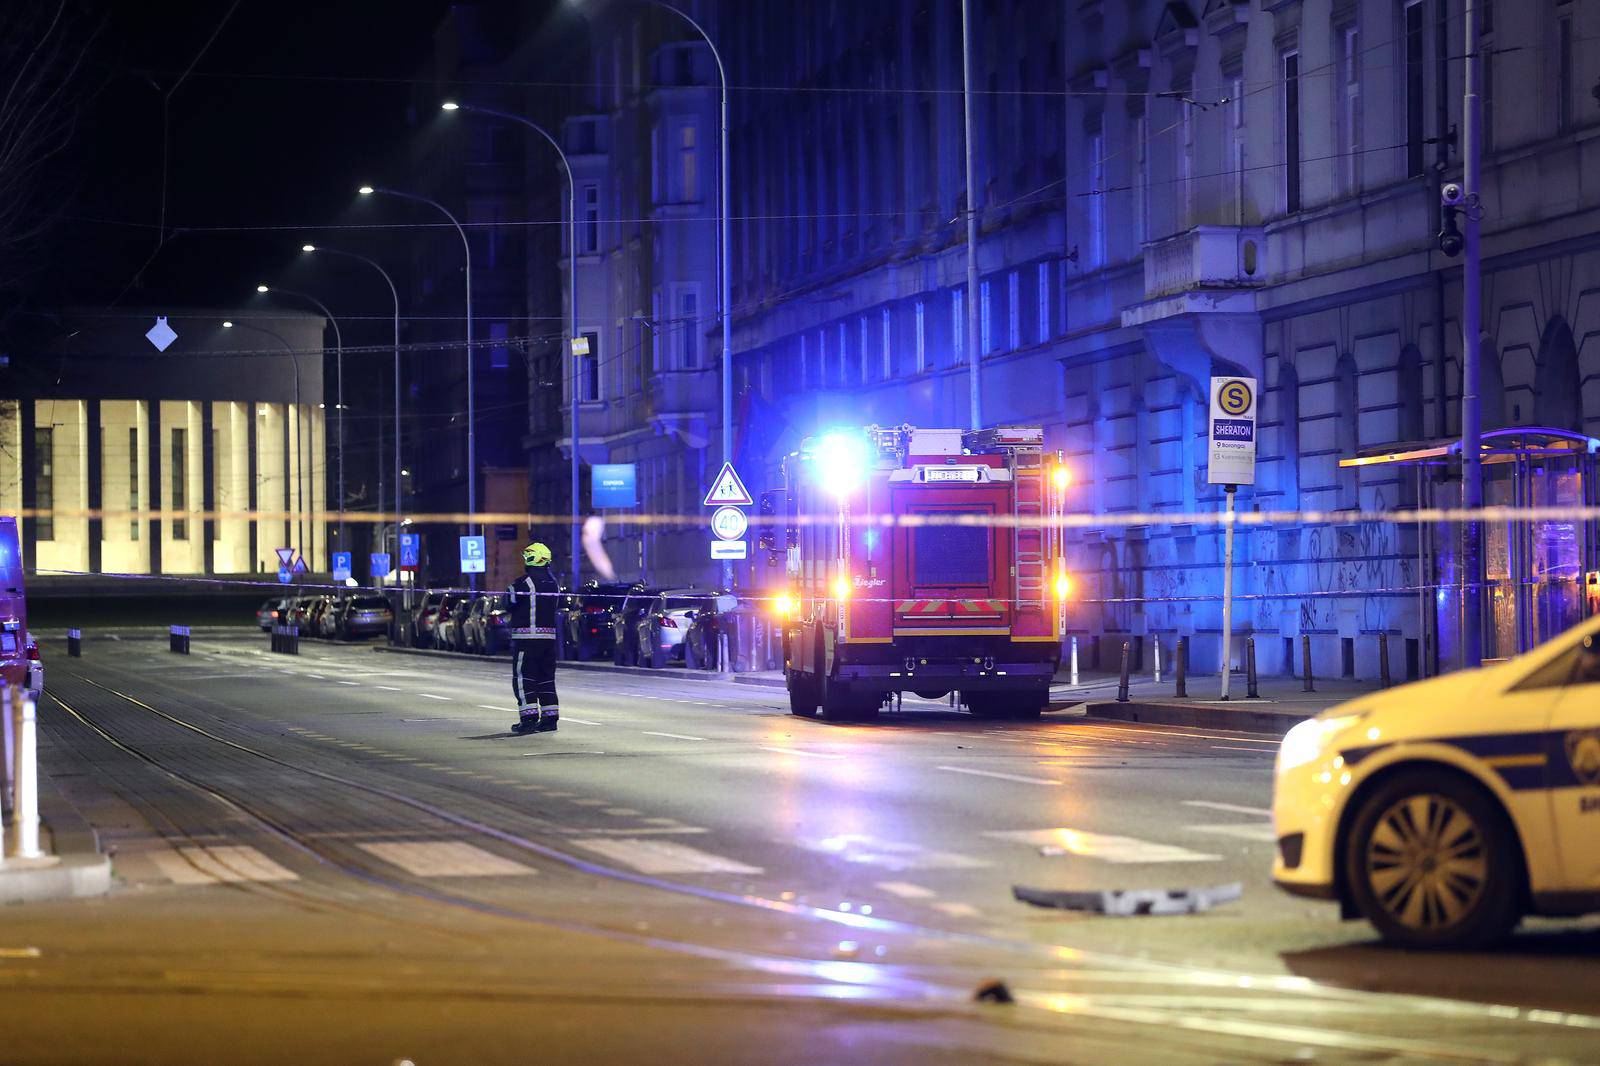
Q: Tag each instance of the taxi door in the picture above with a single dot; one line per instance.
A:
(1574, 764)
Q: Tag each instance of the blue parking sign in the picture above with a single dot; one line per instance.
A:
(341, 566)
(380, 564)
(410, 551)
(474, 557)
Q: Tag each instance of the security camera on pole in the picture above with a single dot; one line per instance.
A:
(1232, 462)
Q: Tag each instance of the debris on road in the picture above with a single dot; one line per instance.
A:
(993, 990)
(1132, 902)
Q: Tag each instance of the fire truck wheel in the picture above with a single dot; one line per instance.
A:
(802, 695)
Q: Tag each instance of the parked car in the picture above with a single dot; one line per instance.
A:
(328, 616)
(362, 615)
(664, 624)
(423, 619)
(587, 631)
(268, 613)
(447, 635)
(700, 646)
(625, 625)
(300, 613)
(487, 627)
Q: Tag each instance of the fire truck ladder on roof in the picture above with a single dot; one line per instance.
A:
(1029, 564)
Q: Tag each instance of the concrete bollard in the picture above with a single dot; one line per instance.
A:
(25, 777)
(1180, 667)
(1383, 660)
(75, 643)
(178, 639)
(1251, 689)
(1305, 661)
(1122, 685)
(1074, 661)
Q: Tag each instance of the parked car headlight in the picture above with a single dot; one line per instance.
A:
(1308, 740)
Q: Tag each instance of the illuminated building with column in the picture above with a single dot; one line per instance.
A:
(134, 459)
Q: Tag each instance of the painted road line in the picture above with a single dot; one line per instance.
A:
(431, 696)
(957, 910)
(580, 721)
(356, 683)
(621, 812)
(1109, 848)
(1019, 778)
(670, 736)
(889, 854)
(1240, 747)
(427, 719)
(663, 856)
(905, 890)
(531, 754)
(444, 858)
(798, 751)
(232, 863)
(588, 802)
(492, 707)
(386, 688)
(1255, 832)
(1161, 732)
(1231, 808)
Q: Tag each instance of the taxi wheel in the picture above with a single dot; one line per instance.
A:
(1431, 862)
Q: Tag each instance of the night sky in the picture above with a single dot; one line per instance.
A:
(276, 125)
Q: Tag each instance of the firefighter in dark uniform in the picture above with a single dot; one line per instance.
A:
(532, 599)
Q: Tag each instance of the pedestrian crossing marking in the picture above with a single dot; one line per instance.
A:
(905, 890)
(1103, 846)
(231, 864)
(663, 856)
(444, 858)
(1231, 808)
(889, 854)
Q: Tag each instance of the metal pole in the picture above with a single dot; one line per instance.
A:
(1471, 318)
(1227, 591)
(338, 340)
(1074, 677)
(974, 357)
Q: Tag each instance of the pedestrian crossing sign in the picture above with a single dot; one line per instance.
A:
(728, 490)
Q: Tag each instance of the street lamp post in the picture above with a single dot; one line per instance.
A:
(299, 487)
(472, 434)
(338, 340)
(572, 301)
(725, 261)
(394, 295)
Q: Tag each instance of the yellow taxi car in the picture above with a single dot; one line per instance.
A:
(1445, 810)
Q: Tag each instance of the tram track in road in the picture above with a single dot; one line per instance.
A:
(832, 978)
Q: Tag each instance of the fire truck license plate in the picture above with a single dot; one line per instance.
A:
(951, 473)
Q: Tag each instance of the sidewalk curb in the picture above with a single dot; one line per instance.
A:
(1245, 718)
(80, 870)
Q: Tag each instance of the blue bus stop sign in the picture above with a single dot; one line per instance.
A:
(380, 564)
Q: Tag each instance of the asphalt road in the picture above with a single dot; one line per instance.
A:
(346, 857)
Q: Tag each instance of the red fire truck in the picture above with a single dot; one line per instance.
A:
(919, 560)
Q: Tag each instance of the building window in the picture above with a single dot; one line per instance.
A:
(958, 323)
(805, 360)
(1141, 179)
(985, 318)
(1348, 39)
(1291, 132)
(921, 341)
(686, 163)
(499, 350)
(1185, 163)
(686, 328)
(822, 359)
(44, 482)
(864, 343)
(133, 480)
(888, 348)
(1236, 96)
(179, 472)
(589, 221)
(1014, 310)
(844, 354)
(1044, 302)
(1563, 59)
(1097, 200)
(1416, 74)
(589, 367)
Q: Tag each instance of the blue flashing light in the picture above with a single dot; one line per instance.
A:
(842, 461)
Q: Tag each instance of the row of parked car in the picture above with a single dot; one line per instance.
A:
(636, 625)
(336, 616)
(632, 625)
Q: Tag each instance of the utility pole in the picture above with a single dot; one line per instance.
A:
(1471, 317)
(974, 357)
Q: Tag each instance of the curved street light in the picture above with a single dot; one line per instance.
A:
(572, 301)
